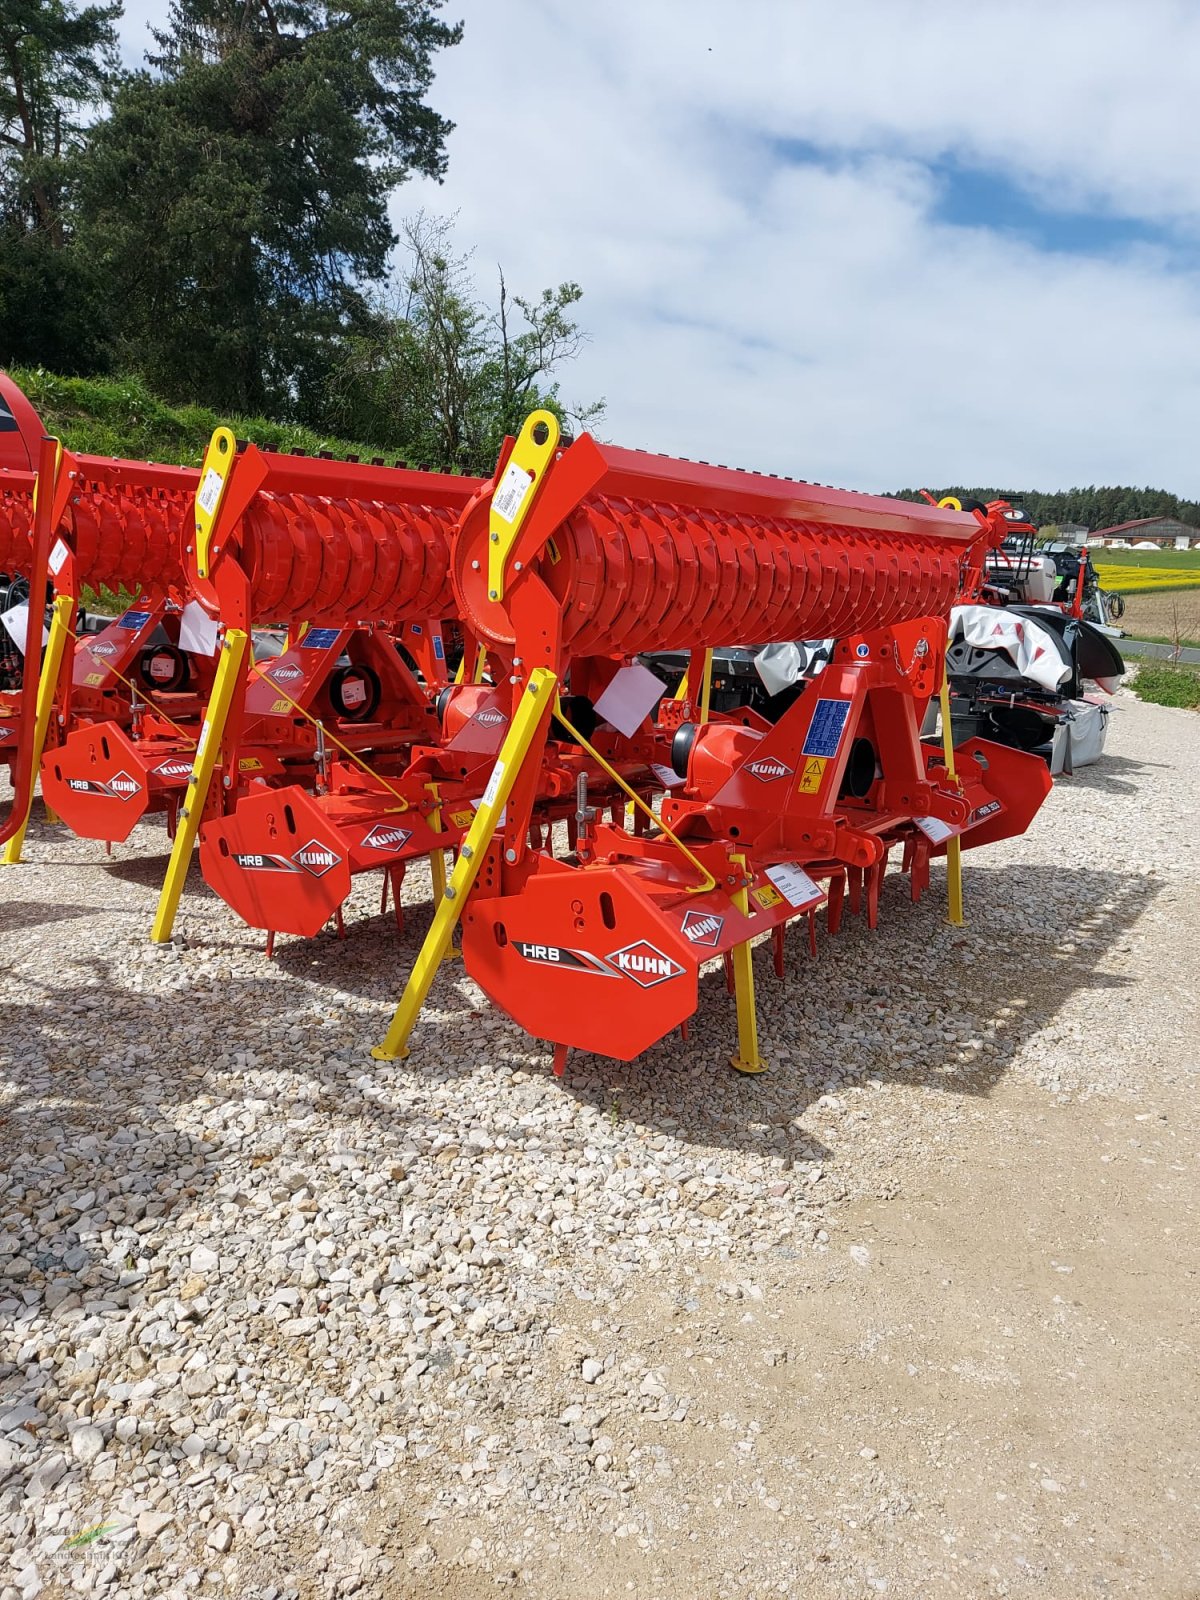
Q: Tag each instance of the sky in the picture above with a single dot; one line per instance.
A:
(874, 243)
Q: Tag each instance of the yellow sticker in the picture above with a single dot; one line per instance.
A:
(94, 677)
(281, 705)
(249, 764)
(462, 819)
(810, 778)
(553, 552)
(767, 896)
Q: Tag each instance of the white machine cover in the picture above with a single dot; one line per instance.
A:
(1034, 650)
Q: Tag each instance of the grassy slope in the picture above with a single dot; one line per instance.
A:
(120, 417)
(1168, 685)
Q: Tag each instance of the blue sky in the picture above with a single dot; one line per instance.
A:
(878, 243)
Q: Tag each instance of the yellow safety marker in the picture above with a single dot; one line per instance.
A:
(233, 653)
(954, 887)
(60, 632)
(514, 494)
(526, 724)
(706, 687)
(214, 475)
(747, 1059)
(814, 771)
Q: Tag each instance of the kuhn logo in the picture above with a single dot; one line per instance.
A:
(702, 927)
(6, 732)
(490, 718)
(287, 673)
(105, 649)
(645, 964)
(174, 768)
(768, 768)
(119, 787)
(316, 858)
(382, 837)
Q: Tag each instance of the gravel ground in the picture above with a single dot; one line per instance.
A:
(913, 1314)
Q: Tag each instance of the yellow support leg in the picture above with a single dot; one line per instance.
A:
(526, 723)
(706, 687)
(60, 632)
(233, 653)
(747, 1059)
(954, 887)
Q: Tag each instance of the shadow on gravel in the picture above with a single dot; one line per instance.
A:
(21, 918)
(1112, 775)
(916, 1002)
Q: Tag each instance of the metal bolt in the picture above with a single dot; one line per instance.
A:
(466, 852)
(495, 537)
(493, 595)
(518, 565)
(533, 688)
(510, 855)
(474, 566)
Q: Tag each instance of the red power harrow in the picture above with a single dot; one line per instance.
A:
(352, 559)
(576, 559)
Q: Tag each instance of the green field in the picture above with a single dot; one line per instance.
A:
(1148, 558)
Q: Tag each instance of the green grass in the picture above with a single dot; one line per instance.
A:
(1147, 558)
(120, 417)
(1167, 685)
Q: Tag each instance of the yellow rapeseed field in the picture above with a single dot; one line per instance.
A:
(1145, 580)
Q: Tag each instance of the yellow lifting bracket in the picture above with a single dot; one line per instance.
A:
(527, 723)
(515, 493)
(233, 653)
(214, 475)
(954, 888)
(747, 1059)
(60, 632)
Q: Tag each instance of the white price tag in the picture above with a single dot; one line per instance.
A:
(197, 630)
(493, 785)
(510, 495)
(794, 884)
(210, 491)
(935, 830)
(16, 622)
(57, 556)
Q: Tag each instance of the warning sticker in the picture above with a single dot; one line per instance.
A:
(510, 496)
(810, 779)
(826, 728)
(210, 491)
(767, 896)
(462, 819)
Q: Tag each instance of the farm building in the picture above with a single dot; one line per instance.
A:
(1167, 533)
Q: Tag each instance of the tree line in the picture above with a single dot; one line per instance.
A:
(1091, 508)
(216, 222)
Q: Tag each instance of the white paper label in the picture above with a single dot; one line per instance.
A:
(935, 830)
(510, 496)
(667, 776)
(794, 884)
(197, 630)
(210, 491)
(16, 622)
(631, 695)
(493, 785)
(201, 742)
(57, 556)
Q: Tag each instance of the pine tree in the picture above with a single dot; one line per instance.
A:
(237, 196)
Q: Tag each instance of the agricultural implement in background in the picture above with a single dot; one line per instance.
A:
(579, 557)
(103, 522)
(353, 560)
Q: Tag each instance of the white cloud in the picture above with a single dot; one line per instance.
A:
(821, 320)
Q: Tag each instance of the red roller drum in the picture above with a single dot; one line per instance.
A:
(662, 554)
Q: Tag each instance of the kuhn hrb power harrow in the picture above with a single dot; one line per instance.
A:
(578, 558)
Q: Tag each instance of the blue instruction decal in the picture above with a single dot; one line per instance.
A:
(439, 649)
(320, 638)
(133, 620)
(826, 728)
